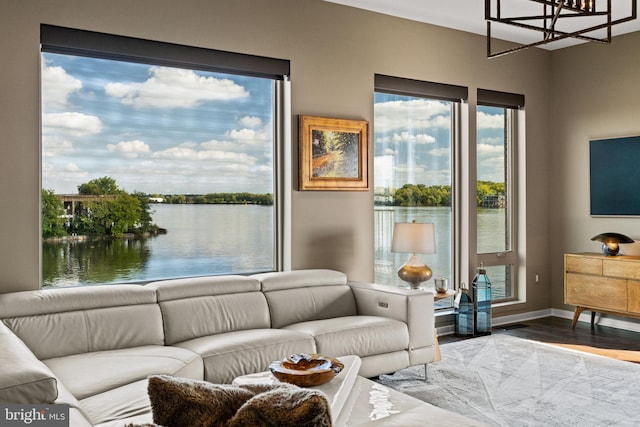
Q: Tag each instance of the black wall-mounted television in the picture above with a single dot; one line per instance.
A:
(615, 176)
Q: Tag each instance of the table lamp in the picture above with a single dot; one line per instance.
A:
(414, 238)
(611, 242)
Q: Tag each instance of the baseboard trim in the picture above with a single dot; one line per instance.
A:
(601, 319)
(522, 317)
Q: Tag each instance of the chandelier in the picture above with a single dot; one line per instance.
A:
(559, 19)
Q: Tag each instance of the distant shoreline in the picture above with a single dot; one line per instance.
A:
(125, 236)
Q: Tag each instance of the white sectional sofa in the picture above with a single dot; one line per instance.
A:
(94, 347)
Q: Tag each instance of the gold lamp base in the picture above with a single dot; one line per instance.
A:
(414, 272)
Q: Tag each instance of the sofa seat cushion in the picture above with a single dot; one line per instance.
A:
(89, 374)
(360, 335)
(229, 355)
(119, 403)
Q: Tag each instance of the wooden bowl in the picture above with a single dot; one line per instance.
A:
(306, 370)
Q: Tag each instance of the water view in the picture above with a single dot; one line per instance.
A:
(201, 240)
(490, 221)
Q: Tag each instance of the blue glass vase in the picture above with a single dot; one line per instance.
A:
(481, 286)
(464, 310)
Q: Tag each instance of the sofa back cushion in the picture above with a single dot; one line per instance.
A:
(23, 378)
(303, 295)
(201, 306)
(64, 321)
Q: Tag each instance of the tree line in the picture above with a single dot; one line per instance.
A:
(217, 198)
(436, 195)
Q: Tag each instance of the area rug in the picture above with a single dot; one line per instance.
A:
(508, 381)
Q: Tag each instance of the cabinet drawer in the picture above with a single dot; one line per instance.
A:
(621, 268)
(596, 292)
(581, 264)
(633, 300)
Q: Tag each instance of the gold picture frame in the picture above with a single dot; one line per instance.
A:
(333, 154)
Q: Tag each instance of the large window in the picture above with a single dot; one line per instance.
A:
(496, 183)
(158, 160)
(423, 171)
(414, 138)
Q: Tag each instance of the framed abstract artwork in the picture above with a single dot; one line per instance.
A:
(333, 154)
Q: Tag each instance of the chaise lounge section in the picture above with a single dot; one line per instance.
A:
(94, 347)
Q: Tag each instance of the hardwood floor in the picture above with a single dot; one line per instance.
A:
(603, 340)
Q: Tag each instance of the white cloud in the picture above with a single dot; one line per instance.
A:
(72, 167)
(490, 121)
(173, 88)
(417, 139)
(440, 152)
(489, 150)
(176, 153)
(441, 122)
(63, 179)
(250, 122)
(419, 113)
(215, 144)
(225, 156)
(191, 154)
(57, 85)
(76, 124)
(129, 149)
(490, 153)
(492, 141)
(247, 136)
(52, 147)
(266, 169)
(383, 169)
(491, 169)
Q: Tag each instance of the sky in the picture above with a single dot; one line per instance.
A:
(156, 130)
(162, 130)
(412, 142)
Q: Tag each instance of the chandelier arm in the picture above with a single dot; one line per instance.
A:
(513, 21)
(548, 34)
(551, 35)
(563, 33)
(538, 17)
(541, 42)
(554, 3)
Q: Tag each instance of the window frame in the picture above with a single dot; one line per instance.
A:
(512, 104)
(458, 96)
(75, 42)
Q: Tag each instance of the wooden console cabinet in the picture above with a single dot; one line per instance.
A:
(605, 284)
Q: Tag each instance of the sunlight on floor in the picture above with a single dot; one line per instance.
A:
(628, 355)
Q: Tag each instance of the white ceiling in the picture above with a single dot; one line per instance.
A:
(468, 15)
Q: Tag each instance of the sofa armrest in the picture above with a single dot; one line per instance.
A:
(23, 378)
(414, 307)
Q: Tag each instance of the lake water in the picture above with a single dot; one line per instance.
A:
(491, 225)
(201, 241)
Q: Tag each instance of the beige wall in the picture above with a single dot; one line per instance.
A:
(334, 51)
(596, 95)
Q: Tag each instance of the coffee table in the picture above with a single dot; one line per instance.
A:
(337, 390)
(357, 401)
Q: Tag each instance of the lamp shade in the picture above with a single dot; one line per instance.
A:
(612, 238)
(413, 238)
(611, 241)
